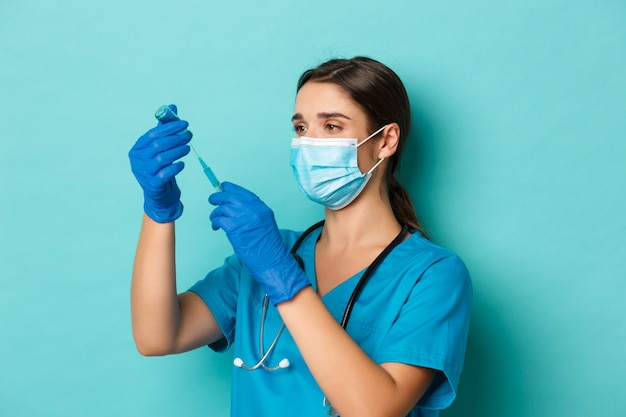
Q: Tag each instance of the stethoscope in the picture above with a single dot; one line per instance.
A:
(284, 363)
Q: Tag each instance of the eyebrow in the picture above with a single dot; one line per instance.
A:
(298, 116)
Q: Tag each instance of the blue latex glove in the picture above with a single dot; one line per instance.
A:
(251, 228)
(152, 160)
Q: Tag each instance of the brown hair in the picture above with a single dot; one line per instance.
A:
(381, 94)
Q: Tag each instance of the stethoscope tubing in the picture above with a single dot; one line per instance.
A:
(238, 362)
(349, 306)
(368, 273)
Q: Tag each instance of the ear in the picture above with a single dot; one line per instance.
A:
(390, 139)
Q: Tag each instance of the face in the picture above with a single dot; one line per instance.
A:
(324, 110)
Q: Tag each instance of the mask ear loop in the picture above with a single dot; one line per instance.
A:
(374, 167)
(370, 136)
(365, 140)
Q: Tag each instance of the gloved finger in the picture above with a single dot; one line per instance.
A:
(220, 198)
(218, 217)
(239, 190)
(230, 199)
(170, 171)
(171, 141)
(162, 144)
(165, 158)
(168, 129)
(240, 214)
(144, 164)
(157, 182)
(234, 195)
(161, 130)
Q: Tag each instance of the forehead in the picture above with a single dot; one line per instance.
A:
(316, 97)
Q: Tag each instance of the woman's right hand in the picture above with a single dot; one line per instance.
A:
(152, 161)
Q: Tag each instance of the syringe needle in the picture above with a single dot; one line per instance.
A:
(207, 171)
(194, 150)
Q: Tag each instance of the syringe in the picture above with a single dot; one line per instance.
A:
(208, 171)
(165, 114)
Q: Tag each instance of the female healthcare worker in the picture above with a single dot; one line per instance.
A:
(364, 317)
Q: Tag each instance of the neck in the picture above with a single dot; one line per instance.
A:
(367, 221)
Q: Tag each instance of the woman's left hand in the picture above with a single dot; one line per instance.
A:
(252, 231)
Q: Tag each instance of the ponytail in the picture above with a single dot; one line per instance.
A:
(402, 206)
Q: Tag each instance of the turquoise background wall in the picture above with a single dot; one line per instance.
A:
(516, 163)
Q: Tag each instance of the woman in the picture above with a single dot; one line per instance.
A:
(402, 348)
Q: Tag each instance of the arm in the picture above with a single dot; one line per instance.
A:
(363, 387)
(164, 322)
(430, 331)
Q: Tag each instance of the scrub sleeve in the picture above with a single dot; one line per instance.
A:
(432, 327)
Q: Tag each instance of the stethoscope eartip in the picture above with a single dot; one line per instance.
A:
(238, 362)
(284, 363)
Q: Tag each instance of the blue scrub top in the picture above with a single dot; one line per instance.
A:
(415, 309)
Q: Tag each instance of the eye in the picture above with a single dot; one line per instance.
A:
(332, 128)
(299, 128)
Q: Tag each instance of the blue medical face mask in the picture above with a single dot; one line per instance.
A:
(327, 170)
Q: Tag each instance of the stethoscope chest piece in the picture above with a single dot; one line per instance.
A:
(284, 363)
(328, 407)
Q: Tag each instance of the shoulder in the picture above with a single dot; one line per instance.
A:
(417, 248)
(427, 259)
